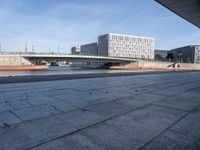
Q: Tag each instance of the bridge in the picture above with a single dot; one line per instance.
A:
(43, 58)
(56, 58)
(69, 57)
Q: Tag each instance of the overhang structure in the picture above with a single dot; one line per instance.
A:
(187, 9)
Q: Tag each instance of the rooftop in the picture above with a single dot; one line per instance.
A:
(187, 46)
(128, 35)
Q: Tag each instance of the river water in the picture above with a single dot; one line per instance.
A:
(56, 70)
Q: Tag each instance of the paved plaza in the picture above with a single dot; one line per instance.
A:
(155, 112)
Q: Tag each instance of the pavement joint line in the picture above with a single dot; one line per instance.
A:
(197, 87)
(166, 97)
(25, 121)
(102, 102)
(140, 148)
(77, 90)
(173, 94)
(171, 130)
(77, 107)
(22, 108)
(16, 115)
(99, 122)
(64, 121)
(54, 107)
(7, 102)
(27, 99)
(4, 111)
(14, 108)
(170, 107)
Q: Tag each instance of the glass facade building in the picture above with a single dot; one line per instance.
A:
(187, 54)
(89, 49)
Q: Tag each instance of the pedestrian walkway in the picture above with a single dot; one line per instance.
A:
(157, 111)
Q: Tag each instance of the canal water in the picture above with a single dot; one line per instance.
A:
(56, 70)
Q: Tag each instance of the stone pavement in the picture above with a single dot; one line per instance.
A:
(113, 113)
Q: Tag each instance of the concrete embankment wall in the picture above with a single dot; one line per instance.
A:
(142, 64)
(158, 65)
(188, 66)
(9, 60)
(155, 65)
(15, 68)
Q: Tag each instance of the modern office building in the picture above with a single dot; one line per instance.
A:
(75, 50)
(160, 55)
(118, 45)
(187, 54)
(89, 49)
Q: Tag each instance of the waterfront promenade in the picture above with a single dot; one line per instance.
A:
(143, 111)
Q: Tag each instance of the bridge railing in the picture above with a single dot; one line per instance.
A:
(23, 53)
(66, 55)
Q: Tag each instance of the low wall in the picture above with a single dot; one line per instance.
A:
(188, 66)
(158, 65)
(9, 60)
(155, 65)
(150, 65)
(15, 68)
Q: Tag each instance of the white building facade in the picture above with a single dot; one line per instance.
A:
(118, 45)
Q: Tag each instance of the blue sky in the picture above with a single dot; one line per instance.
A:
(49, 23)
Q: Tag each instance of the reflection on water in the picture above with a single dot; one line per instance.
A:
(56, 70)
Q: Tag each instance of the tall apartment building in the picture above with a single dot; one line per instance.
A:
(187, 54)
(89, 49)
(118, 45)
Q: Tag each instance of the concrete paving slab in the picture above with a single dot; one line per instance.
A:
(139, 101)
(38, 99)
(80, 118)
(109, 138)
(191, 95)
(86, 99)
(133, 101)
(104, 113)
(64, 92)
(168, 92)
(180, 102)
(173, 141)
(146, 123)
(18, 104)
(4, 107)
(28, 134)
(149, 97)
(111, 108)
(97, 137)
(72, 142)
(189, 125)
(63, 106)
(36, 112)
(12, 96)
(8, 118)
